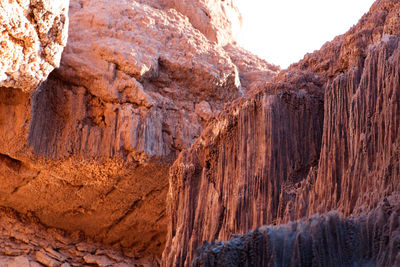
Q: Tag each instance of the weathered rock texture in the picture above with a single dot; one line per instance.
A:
(32, 37)
(269, 158)
(219, 21)
(25, 242)
(360, 157)
(231, 179)
(321, 240)
(90, 149)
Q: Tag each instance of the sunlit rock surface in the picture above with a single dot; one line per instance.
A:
(32, 37)
(219, 21)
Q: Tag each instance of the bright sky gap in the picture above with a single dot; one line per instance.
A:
(283, 31)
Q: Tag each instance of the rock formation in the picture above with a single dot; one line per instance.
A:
(321, 240)
(269, 159)
(359, 160)
(33, 35)
(25, 242)
(231, 178)
(89, 150)
(86, 152)
(219, 21)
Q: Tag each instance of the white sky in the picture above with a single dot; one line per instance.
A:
(283, 31)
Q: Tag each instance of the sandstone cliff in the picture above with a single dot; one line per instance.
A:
(277, 157)
(89, 150)
(86, 152)
(359, 160)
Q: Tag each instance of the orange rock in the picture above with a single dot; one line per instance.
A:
(91, 149)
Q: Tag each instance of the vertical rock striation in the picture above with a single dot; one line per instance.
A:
(360, 156)
(267, 164)
(89, 150)
(230, 180)
(321, 240)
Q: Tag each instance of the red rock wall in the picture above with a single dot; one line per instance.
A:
(230, 180)
(360, 156)
(232, 183)
(358, 174)
(90, 150)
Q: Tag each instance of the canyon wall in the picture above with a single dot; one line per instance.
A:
(230, 180)
(89, 148)
(156, 135)
(359, 160)
(240, 175)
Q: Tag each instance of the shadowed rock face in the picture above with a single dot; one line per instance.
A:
(241, 174)
(321, 240)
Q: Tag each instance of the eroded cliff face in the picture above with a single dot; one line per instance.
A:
(360, 160)
(89, 150)
(141, 82)
(241, 174)
(231, 178)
